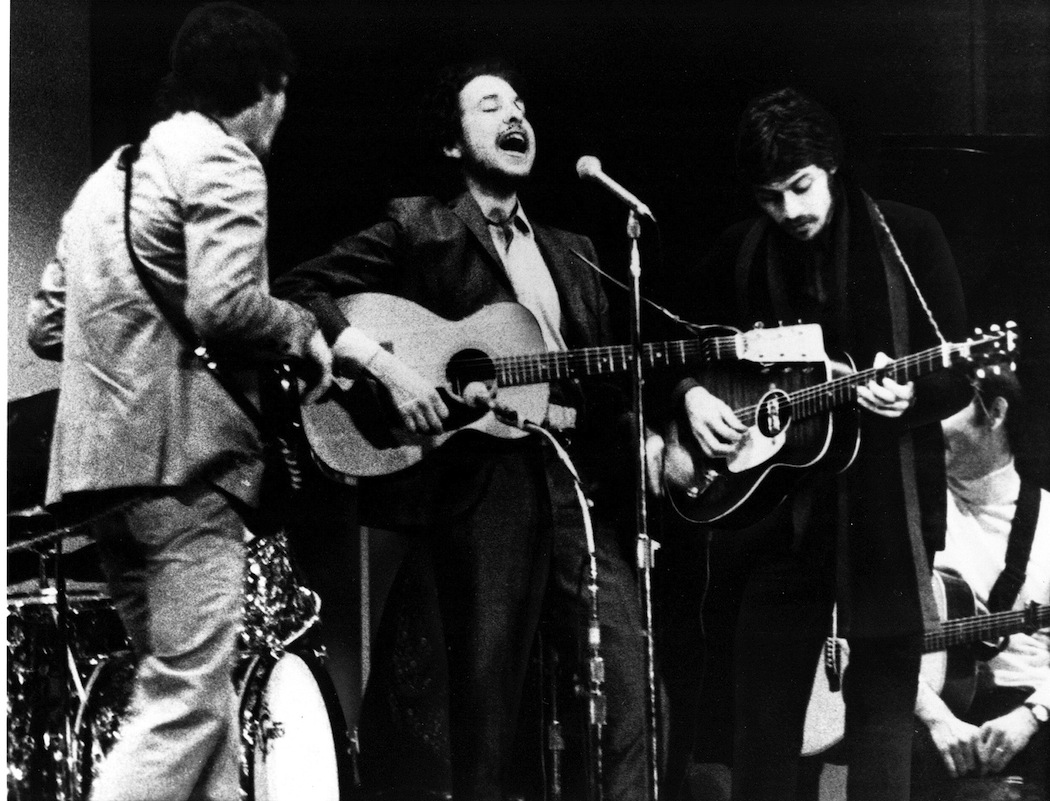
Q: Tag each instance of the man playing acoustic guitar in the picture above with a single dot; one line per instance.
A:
(995, 518)
(495, 515)
(823, 252)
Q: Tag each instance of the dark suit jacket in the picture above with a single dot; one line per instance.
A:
(881, 576)
(440, 255)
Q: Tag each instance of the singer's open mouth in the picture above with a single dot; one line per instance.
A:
(514, 141)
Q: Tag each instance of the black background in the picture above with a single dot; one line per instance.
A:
(944, 105)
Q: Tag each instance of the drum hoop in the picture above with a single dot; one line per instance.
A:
(81, 598)
(312, 621)
(88, 707)
(259, 671)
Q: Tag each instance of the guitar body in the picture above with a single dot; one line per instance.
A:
(952, 673)
(352, 430)
(776, 452)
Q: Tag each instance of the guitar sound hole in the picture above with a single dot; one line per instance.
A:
(773, 413)
(469, 366)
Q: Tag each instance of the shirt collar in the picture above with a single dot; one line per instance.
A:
(517, 218)
(999, 486)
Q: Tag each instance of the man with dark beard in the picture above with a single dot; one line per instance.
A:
(822, 251)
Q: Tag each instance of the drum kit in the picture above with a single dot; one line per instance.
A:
(70, 671)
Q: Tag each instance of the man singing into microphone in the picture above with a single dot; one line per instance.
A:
(498, 517)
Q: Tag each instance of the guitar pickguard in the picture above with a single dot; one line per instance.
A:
(775, 452)
(754, 450)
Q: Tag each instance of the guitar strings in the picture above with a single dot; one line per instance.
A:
(529, 368)
(831, 390)
(953, 632)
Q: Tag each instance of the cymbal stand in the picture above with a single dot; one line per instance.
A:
(62, 665)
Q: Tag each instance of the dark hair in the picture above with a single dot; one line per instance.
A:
(442, 116)
(1003, 383)
(221, 56)
(782, 132)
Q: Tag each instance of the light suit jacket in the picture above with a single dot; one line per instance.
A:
(136, 408)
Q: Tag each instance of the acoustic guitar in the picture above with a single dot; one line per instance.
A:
(799, 418)
(352, 431)
(949, 663)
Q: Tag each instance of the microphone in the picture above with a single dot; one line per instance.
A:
(589, 168)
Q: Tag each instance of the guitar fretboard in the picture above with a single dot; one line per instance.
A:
(542, 367)
(986, 627)
(819, 399)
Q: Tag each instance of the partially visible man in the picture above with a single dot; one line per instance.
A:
(992, 512)
(495, 516)
(148, 446)
(822, 251)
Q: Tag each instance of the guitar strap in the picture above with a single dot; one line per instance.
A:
(893, 264)
(1019, 547)
(891, 258)
(178, 321)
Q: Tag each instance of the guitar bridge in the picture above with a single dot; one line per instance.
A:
(697, 488)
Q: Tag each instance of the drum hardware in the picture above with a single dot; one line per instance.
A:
(44, 682)
(295, 743)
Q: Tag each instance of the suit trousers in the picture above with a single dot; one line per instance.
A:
(175, 565)
(505, 543)
(487, 539)
(784, 619)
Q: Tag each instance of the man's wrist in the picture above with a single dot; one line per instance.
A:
(356, 347)
(1040, 712)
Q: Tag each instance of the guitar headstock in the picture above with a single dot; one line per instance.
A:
(782, 343)
(990, 350)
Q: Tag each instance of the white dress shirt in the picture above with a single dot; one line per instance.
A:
(980, 516)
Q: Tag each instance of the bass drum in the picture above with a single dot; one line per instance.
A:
(295, 738)
(292, 730)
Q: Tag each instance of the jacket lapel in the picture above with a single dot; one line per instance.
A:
(557, 258)
(467, 209)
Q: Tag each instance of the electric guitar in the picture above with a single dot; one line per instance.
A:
(799, 417)
(352, 431)
(949, 663)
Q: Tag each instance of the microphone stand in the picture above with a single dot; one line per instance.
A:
(645, 548)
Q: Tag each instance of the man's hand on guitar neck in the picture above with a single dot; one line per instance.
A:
(716, 428)
(886, 398)
(418, 403)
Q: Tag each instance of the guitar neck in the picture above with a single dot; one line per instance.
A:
(543, 367)
(986, 627)
(822, 398)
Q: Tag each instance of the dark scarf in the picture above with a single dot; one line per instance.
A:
(861, 278)
(853, 277)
